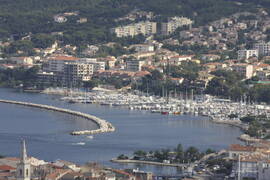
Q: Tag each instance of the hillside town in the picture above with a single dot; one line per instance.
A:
(238, 43)
(166, 52)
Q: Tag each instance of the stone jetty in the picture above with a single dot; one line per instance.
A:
(103, 125)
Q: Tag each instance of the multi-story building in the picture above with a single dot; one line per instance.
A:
(143, 48)
(246, 70)
(56, 64)
(263, 48)
(145, 28)
(22, 60)
(246, 54)
(134, 65)
(97, 65)
(177, 60)
(77, 72)
(174, 23)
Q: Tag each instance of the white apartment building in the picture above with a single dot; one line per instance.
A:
(97, 65)
(145, 28)
(177, 60)
(134, 65)
(56, 63)
(263, 48)
(143, 48)
(174, 23)
(246, 54)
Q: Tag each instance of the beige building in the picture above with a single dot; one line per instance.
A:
(22, 60)
(243, 69)
(145, 28)
(76, 72)
(174, 23)
(134, 65)
(246, 54)
(56, 63)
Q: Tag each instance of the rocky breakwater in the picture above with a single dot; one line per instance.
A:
(103, 125)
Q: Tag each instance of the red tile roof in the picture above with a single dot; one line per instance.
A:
(238, 147)
(6, 168)
(64, 58)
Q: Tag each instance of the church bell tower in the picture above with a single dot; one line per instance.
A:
(23, 167)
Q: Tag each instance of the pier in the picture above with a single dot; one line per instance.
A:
(103, 125)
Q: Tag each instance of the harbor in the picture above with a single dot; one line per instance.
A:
(135, 129)
(218, 110)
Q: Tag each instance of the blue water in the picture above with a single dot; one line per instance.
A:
(47, 132)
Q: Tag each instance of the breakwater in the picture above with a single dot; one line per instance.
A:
(103, 125)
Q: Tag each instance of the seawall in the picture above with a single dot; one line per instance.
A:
(103, 125)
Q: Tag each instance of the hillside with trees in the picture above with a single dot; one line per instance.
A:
(21, 17)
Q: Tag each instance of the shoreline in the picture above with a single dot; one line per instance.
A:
(126, 161)
(103, 125)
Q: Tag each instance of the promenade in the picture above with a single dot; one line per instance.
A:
(103, 125)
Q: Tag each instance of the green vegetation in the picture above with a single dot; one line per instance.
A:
(156, 83)
(19, 17)
(258, 126)
(177, 155)
(19, 77)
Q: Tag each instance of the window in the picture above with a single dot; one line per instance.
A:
(26, 172)
(20, 172)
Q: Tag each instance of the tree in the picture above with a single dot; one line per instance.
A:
(122, 157)
(140, 154)
(42, 40)
(90, 84)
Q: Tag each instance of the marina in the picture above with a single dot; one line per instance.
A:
(218, 110)
(135, 129)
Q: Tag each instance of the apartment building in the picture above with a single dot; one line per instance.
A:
(77, 72)
(174, 23)
(140, 48)
(97, 66)
(246, 70)
(263, 48)
(134, 65)
(22, 60)
(56, 63)
(145, 28)
(246, 54)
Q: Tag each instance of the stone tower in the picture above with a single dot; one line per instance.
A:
(23, 167)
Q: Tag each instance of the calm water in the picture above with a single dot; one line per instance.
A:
(47, 133)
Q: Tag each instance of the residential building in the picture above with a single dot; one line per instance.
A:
(236, 149)
(177, 60)
(246, 70)
(210, 57)
(143, 48)
(247, 166)
(76, 72)
(134, 65)
(22, 60)
(109, 61)
(96, 64)
(48, 78)
(56, 63)
(145, 28)
(263, 48)
(246, 54)
(174, 23)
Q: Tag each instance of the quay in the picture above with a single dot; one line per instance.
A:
(182, 166)
(103, 125)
